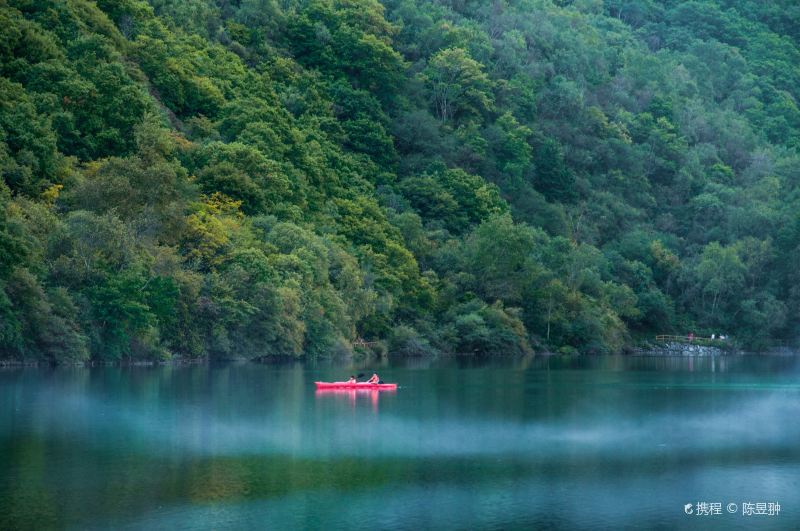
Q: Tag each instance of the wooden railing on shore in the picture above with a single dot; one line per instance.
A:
(359, 342)
(689, 339)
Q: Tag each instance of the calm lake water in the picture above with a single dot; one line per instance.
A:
(579, 442)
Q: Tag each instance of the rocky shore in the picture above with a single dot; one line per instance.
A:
(683, 349)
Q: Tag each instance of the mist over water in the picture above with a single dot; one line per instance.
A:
(564, 442)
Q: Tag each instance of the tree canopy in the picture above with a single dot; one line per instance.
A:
(253, 179)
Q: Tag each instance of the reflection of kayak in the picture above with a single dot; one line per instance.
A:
(358, 385)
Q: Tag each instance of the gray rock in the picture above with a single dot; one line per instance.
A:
(682, 349)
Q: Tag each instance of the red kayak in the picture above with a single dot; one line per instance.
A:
(358, 385)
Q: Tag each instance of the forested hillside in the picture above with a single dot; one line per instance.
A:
(252, 178)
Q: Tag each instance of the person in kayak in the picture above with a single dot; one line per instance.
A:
(374, 379)
(352, 379)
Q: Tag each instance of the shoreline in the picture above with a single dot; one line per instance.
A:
(667, 351)
(99, 363)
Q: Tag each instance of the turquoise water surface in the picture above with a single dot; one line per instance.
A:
(577, 442)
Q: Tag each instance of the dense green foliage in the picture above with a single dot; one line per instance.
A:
(255, 178)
